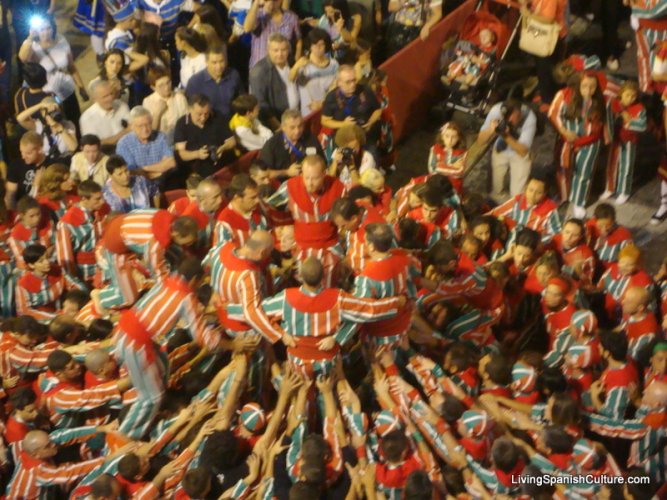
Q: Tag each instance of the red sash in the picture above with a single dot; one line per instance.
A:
(194, 212)
(653, 24)
(315, 234)
(233, 263)
(130, 324)
(306, 347)
(112, 239)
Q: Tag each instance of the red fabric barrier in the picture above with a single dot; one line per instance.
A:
(413, 73)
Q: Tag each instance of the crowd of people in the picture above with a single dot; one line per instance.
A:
(302, 330)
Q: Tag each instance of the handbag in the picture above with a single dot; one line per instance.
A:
(537, 37)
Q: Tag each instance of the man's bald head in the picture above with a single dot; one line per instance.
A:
(312, 271)
(209, 195)
(260, 240)
(35, 441)
(655, 395)
(96, 360)
(635, 300)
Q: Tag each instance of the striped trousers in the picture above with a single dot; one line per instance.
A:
(122, 290)
(647, 43)
(7, 284)
(474, 328)
(312, 368)
(149, 378)
(582, 173)
(620, 167)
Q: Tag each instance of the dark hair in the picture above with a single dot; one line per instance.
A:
(32, 253)
(184, 226)
(637, 489)
(103, 486)
(528, 238)
(574, 108)
(27, 203)
(191, 268)
(432, 197)
(605, 211)
(393, 445)
(129, 467)
(380, 235)
(410, 234)
(442, 252)
(340, 5)
(200, 100)
(505, 454)
(578, 222)
(557, 439)
(317, 35)
(107, 55)
(192, 37)
(27, 325)
(499, 369)
(197, 482)
(360, 192)
(22, 397)
(89, 140)
(441, 183)
(220, 451)
(61, 327)
(418, 486)
(88, 188)
(244, 104)
(615, 343)
(345, 208)
(154, 73)
(209, 15)
(303, 490)
(451, 409)
(536, 490)
(58, 360)
(148, 43)
(115, 162)
(552, 381)
(34, 75)
(238, 185)
(461, 355)
(99, 329)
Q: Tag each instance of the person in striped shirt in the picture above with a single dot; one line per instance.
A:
(204, 210)
(142, 327)
(143, 233)
(639, 324)
(66, 401)
(605, 236)
(243, 215)
(36, 471)
(32, 227)
(310, 197)
(311, 316)
(78, 232)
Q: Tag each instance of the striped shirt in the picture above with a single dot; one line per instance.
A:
(66, 402)
(167, 10)
(22, 236)
(39, 296)
(542, 217)
(77, 235)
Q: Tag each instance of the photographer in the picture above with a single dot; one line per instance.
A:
(202, 139)
(349, 159)
(511, 126)
(47, 119)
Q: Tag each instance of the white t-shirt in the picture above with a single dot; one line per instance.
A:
(104, 124)
(177, 106)
(292, 90)
(367, 161)
(56, 63)
(190, 66)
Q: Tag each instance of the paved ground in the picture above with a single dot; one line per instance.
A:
(634, 214)
(413, 153)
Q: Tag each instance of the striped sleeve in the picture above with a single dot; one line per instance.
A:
(66, 437)
(362, 287)
(556, 108)
(363, 310)
(64, 251)
(616, 402)
(23, 306)
(253, 313)
(649, 9)
(49, 475)
(610, 427)
(294, 451)
(280, 197)
(274, 306)
(485, 475)
(457, 286)
(194, 322)
(331, 436)
(156, 259)
(75, 401)
(638, 123)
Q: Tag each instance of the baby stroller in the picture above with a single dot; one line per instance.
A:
(473, 95)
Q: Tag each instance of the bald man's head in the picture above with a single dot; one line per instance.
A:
(209, 195)
(655, 395)
(96, 359)
(258, 246)
(312, 271)
(635, 300)
(38, 445)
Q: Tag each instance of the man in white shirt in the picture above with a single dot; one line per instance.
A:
(108, 118)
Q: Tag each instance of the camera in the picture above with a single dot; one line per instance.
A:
(337, 15)
(213, 153)
(347, 155)
(503, 127)
(124, 123)
(56, 115)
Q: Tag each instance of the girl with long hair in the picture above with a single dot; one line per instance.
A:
(448, 155)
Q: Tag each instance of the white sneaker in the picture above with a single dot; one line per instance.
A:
(606, 195)
(578, 212)
(620, 200)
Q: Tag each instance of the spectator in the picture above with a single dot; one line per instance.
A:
(23, 176)
(263, 24)
(34, 76)
(108, 117)
(315, 73)
(245, 123)
(144, 149)
(55, 192)
(90, 162)
(125, 192)
(342, 25)
(207, 21)
(270, 82)
(55, 55)
(220, 83)
(192, 47)
(511, 145)
(202, 138)
(121, 36)
(352, 103)
(165, 105)
(285, 151)
(114, 71)
(147, 45)
(349, 159)
(59, 134)
(410, 19)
